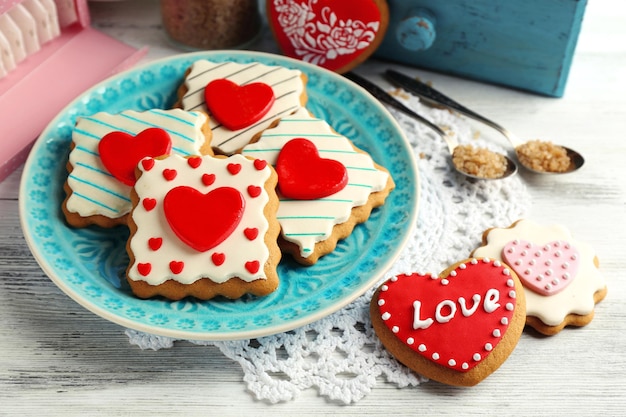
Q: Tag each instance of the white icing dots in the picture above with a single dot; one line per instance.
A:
(488, 347)
(381, 302)
(452, 362)
(422, 348)
(476, 357)
(385, 316)
(410, 341)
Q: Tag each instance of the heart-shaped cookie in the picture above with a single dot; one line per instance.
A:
(304, 175)
(456, 328)
(221, 211)
(120, 152)
(546, 269)
(238, 106)
(337, 35)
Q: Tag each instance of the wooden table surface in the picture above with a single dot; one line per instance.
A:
(56, 358)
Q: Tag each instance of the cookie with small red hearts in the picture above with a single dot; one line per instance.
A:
(106, 149)
(336, 35)
(560, 274)
(242, 100)
(456, 328)
(203, 227)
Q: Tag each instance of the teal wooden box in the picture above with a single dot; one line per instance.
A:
(526, 44)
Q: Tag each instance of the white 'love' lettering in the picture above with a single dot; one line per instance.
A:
(490, 304)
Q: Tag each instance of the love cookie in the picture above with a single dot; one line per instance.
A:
(560, 274)
(456, 328)
(336, 35)
(203, 227)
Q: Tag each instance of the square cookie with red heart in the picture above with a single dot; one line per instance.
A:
(336, 35)
(560, 274)
(203, 227)
(326, 185)
(456, 328)
(106, 149)
(242, 100)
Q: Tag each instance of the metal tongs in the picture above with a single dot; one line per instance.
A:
(388, 99)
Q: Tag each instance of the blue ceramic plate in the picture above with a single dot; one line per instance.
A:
(89, 264)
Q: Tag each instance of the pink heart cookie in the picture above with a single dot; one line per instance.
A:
(546, 269)
(456, 328)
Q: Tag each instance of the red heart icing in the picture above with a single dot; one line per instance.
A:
(177, 267)
(120, 152)
(253, 266)
(218, 258)
(546, 269)
(169, 174)
(235, 106)
(221, 211)
(251, 233)
(194, 161)
(233, 168)
(304, 175)
(144, 269)
(208, 179)
(149, 203)
(147, 164)
(260, 164)
(329, 33)
(155, 243)
(254, 191)
(454, 321)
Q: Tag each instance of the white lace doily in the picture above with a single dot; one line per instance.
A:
(340, 355)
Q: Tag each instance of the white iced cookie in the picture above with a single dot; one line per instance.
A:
(242, 100)
(560, 275)
(106, 149)
(326, 185)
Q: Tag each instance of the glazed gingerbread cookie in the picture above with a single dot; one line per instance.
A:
(456, 328)
(560, 274)
(242, 99)
(336, 35)
(203, 227)
(106, 149)
(326, 185)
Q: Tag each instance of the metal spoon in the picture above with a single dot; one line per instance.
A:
(452, 144)
(433, 96)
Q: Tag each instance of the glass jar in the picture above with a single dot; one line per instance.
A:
(211, 24)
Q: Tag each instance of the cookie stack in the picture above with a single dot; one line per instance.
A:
(216, 189)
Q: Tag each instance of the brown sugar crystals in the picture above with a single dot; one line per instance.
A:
(543, 156)
(479, 162)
